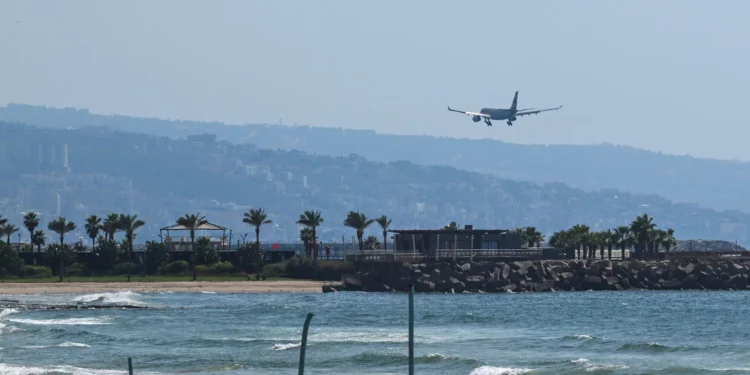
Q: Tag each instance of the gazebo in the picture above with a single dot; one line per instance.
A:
(184, 243)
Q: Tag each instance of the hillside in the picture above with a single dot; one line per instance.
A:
(161, 178)
(713, 184)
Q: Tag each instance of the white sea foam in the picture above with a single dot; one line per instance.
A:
(8, 369)
(207, 292)
(7, 312)
(4, 328)
(492, 370)
(67, 344)
(70, 321)
(286, 346)
(122, 297)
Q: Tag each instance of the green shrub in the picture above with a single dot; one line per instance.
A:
(122, 268)
(77, 269)
(37, 271)
(275, 269)
(329, 270)
(174, 268)
(217, 268)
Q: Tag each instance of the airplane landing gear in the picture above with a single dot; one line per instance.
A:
(487, 121)
(509, 123)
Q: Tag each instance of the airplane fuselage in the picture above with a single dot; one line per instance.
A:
(499, 113)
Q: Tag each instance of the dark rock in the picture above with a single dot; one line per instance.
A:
(612, 280)
(506, 271)
(545, 286)
(566, 275)
(466, 267)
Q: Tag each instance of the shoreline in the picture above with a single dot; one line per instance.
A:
(275, 286)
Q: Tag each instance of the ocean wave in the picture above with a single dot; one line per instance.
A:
(69, 321)
(583, 337)
(653, 347)
(286, 346)
(7, 312)
(8, 369)
(492, 370)
(125, 297)
(4, 328)
(372, 359)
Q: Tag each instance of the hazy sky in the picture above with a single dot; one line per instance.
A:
(662, 75)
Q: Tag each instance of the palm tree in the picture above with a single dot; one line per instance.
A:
(384, 222)
(92, 227)
(312, 220)
(578, 234)
(612, 239)
(359, 222)
(8, 230)
(561, 239)
(256, 218)
(192, 222)
(641, 228)
(3, 220)
(111, 225)
(31, 222)
(129, 224)
(624, 239)
(533, 236)
(668, 240)
(305, 235)
(61, 226)
(38, 239)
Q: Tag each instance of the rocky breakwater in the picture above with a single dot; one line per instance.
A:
(549, 276)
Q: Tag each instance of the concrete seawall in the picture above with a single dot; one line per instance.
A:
(547, 276)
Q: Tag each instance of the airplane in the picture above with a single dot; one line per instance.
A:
(509, 114)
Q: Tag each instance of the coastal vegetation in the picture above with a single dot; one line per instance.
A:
(107, 256)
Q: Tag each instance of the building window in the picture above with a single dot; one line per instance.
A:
(489, 245)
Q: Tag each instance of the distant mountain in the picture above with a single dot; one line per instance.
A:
(713, 184)
(77, 172)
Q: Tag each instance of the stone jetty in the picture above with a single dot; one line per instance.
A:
(549, 276)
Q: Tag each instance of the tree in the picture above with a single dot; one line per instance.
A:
(61, 226)
(129, 224)
(312, 220)
(611, 238)
(578, 236)
(641, 229)
(3, 220)
(561, 239)
(305, 235)
(111, 225)
(533, 236)
(359, 222)
(371, 243)
(191, 222)
(256, 218)
(38, 239)
(384, 222)
(92, 227)
(668, 240)
(31, 222)
(8, 230)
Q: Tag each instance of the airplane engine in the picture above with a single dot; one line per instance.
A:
(476, 118)
(513, 118)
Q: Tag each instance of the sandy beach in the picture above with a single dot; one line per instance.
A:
(277, 286)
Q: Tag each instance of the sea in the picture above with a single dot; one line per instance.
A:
(640, 332)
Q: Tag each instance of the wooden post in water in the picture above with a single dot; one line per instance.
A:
(411, 329)
(303, 345)
(130, 366)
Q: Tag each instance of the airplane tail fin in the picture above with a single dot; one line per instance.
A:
(515, 102)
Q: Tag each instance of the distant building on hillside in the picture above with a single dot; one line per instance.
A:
(426, 241)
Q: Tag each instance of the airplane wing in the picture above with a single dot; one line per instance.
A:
(469, 113)
(537, 111)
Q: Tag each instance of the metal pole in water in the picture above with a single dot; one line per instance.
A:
(130, 366)
(303, 345)
(411, 329)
